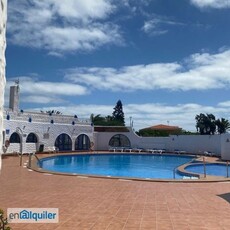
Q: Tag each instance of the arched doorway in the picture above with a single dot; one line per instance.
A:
(119, 140)
(15, 138)
(31, 142)
(15, 143)
(63, 142)
(82, 142)
(31, 138)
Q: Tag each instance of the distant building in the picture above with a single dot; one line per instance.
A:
(163, 129)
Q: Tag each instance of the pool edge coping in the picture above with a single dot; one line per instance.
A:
(181, 168)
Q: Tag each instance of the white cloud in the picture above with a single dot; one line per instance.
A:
(183, 115)
(88, 38)
(53, 88)
(153, 27)
(83, 10)
(201, 71)
(145, 115)
(39, 99)
(198, 72)
(224, 104)
(59, 27)
(43, 92)
(159, 25)
(211, 3)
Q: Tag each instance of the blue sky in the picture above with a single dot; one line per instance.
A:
(167, 61)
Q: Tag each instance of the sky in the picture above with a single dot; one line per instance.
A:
(167, 61)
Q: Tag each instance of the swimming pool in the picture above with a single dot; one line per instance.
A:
(213, 169)
(147, 166)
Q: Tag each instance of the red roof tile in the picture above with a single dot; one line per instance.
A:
(164, 127)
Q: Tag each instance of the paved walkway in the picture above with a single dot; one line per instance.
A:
(111, 204)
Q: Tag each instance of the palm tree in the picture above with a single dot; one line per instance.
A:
(200, 126)
(98, 119)
(222, 125)
(206, 124)
(211, 124)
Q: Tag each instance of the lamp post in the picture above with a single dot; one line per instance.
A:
(18, 129)
(130, 118)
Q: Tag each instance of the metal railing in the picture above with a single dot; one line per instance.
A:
(227, 164)
(30, 159)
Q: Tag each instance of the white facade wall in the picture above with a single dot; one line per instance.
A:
(102, 140)
(3, 17)
(196, 144)
(45, 131)
(44, 117)
(225, 146)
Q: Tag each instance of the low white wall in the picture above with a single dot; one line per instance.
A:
(102, 140)
(225, 146)
(196, 144)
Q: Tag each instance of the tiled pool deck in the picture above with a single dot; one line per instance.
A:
(94, 203)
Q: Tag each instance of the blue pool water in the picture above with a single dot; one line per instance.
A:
(117, 165)
(211, 169)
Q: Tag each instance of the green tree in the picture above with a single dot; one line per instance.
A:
(116, 119)
(98, 119)
(211, 129)
(104, 121)
(222, 125)
(118, 114)
(205, 124)
(50, 112)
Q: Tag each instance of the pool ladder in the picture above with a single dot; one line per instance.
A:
(30, 159)
(174, 172)
(204, 164)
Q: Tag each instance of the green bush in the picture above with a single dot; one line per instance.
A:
(3, 221)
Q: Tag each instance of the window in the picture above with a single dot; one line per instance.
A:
(15, 138)
(82, 142)
(119, 140)
(63, 142)
(31, 138)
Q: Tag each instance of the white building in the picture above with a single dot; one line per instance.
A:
(26, 132)
(3, 16)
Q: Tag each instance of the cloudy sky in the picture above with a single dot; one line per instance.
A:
(165, 60)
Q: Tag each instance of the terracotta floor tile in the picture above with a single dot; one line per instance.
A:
(132, 226)
(107, 204)
(145, 224)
